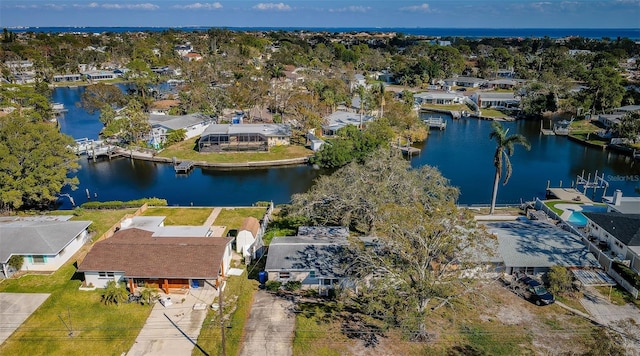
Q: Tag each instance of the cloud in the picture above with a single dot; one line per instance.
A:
(43, 6)
(200, 6)
(541, 5)
(115, 6)
(417, 8)
(272, 6)
(351, 9)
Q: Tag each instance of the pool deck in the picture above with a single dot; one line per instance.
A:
(569, 194)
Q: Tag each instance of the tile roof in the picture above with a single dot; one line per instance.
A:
(140, 255)
(624, 227)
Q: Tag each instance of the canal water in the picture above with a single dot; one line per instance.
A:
(463, 152)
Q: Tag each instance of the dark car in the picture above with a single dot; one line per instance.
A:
(535, 292)
(461, 89)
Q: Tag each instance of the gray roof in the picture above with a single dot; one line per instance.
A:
(537, 244)
(143, 222)
(269, 130)
(307, 253)
(626, 205)
(624, 227)
(153, 224)
(466, 80)
(488, 95)
(178, 122)
(37, 237)
(628, 108)
(340, 119)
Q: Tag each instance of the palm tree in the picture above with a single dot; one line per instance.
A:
(114, 293)
(504, 150)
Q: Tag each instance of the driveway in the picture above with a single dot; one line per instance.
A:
(610, 314)
(15, 308)
(174, 330)
(269, 330)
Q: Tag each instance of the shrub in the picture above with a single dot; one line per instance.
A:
(559, 279)
(16, 261)
(293, 285)
(116, 204)
(272, 286)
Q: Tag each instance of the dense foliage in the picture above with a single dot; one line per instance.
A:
(35, 163)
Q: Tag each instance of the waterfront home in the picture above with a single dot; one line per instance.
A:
(193, 125)
(67, 78)
(495, 100)
(503, 83)
(623, 205)
(467, 82)
(314, 260)
(139, 259)
(182, 50)
(162, 107)
(609, 121)
(438, 98)
(533, 247)
(340, 119)
(45, 242)
(243, 137)
(617, 236)
(96, 75)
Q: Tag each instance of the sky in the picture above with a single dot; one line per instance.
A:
(322, 13)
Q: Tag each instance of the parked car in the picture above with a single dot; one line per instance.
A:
(532, 290)
(461, 89)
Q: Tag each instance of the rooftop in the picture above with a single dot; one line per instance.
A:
(239, 129)
(307, 253)
(624, 227)
(174, 122)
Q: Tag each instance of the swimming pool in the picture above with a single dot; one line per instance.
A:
(578, 219)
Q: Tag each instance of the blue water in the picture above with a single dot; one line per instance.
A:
(578, 219)
(462, 152)
(593, 33)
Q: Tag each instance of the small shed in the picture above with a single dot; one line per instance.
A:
(247, 235)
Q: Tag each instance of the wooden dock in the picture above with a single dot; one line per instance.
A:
(436, 123)
(408, 150)
(183, 166)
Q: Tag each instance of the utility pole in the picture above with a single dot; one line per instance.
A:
(224, 352)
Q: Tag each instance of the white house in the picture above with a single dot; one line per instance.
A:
(138, 258)
(359, 80)
(45, 242)
(438, 98)
(467, 82)
(617, 234)
(193, 124)
(623, 205)
(243, 137)
(247, 235)
(495, 100)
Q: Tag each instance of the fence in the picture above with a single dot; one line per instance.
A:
(258, 247)
(623, 283)
(112, 230)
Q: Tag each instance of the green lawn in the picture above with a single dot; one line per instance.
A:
(181, 216)
(186, 150)
(232, 218)
(454, 107)
(237, 297)
(493, 113)
(98, 329)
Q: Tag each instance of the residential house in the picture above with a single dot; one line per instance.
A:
(358, 80)
(617, 235)
(193, 125)
(243, 137)
(502, 83)
(467, 82)
(610, 120)
(192, 57)
(438, 98)
(340, 119)
(315, 261)
(505, 73)
(138, 258)
(45, 242)
(182, 50)
(315, 143)
(495, 100)
(67, 78)
(247, 235)
(162, 107)
(533, 247)
(623, 205)
(95, 75)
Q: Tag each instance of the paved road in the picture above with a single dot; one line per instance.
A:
(269, 330)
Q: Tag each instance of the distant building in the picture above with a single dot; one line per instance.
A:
(438, 98)
(467, 82)
(67, 78)
(193, 125)
(340, 119)
(243, 137)
(495, 100)
(97, 75)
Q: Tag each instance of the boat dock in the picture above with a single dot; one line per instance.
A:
(436, 123)
(183, 166)
(408, 150)
(104, 151)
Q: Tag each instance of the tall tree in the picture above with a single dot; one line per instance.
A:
(96, 96)
(505, 145)
(35, 163)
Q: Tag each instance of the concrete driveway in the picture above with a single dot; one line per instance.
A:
(174, 330)
(269, 330)
(15, 308)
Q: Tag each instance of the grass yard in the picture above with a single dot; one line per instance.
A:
(186, 150)
(453, 107)
(493, 113)
(237, 297)
(232, 218)
(181, 216)
(97, 329)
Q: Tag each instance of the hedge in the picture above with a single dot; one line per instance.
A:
(116, 204)
(627, 273)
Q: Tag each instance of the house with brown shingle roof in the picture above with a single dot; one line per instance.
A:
(136, 257)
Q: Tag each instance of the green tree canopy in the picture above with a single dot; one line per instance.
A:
(35, 163)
